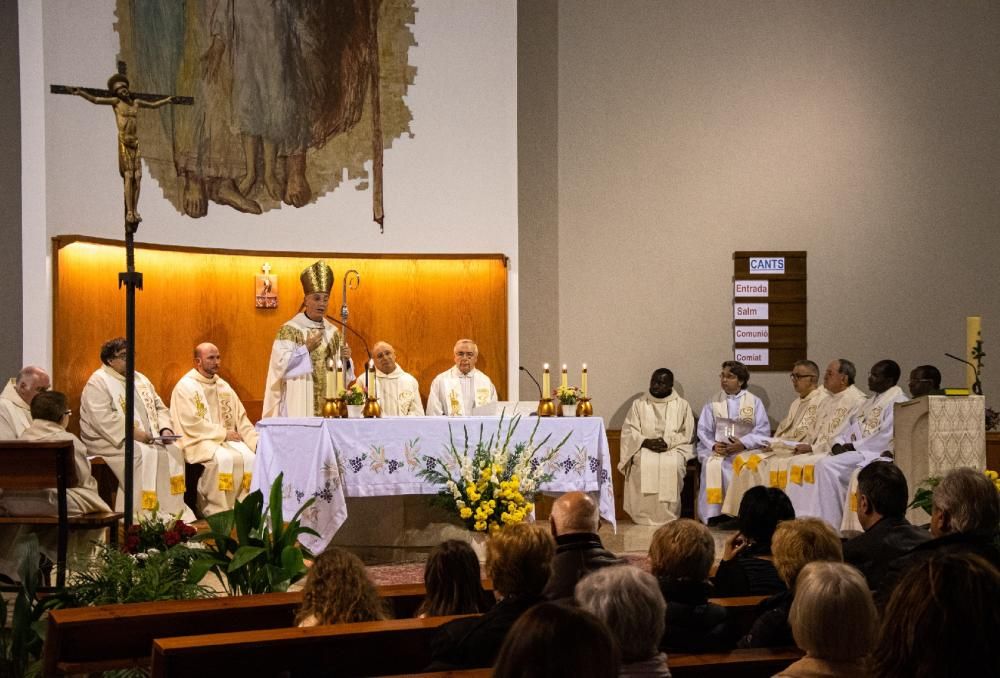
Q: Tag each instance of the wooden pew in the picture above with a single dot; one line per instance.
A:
(755, 663)
(398, 646)
(742, 611)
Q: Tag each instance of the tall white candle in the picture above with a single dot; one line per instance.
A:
(373, 393)
(563, 378)
(583, 381)
(330, 381)
(340, 377)
(546, 382)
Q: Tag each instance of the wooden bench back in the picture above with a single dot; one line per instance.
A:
(38, 465)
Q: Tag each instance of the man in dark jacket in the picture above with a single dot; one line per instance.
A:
(574, 520)
(882, 498)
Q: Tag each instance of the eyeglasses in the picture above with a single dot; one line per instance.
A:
(796, 377)
(120, 355)
(464, 354)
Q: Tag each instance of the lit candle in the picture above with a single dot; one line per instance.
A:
(340, 377)
(563, 379)
(373, 393)
(546, 383)
(583, 381)
(330, 380)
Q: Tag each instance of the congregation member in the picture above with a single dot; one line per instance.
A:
(833, 619)
(734, 421)
(924, 380)
(215, 432)
(574, 521)
(629, 603)
(941, 620)
(655, 448)
(297, 371)
(882, 499)
(868, 437)
(835, 412)
(50, 415)
(518, 561)
(769, 467)
(158, 466)
(398, 391)
(746, 568)
(456, 391)
(338, 590)
(15, 400)
(452, 581)
(681, 554)
(557, 641)
(796, 543)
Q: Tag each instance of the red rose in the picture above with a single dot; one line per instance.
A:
(171, 538)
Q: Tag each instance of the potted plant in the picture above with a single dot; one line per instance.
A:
(568, 397)
(355, 396)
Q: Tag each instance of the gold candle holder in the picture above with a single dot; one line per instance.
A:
(584, 408)
(331, 409)
(546, 408)
(372, 409)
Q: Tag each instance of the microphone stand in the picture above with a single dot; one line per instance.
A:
(977, 386)
(532, 377)
(353, 332)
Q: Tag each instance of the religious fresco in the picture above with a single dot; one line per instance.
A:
(284, 104)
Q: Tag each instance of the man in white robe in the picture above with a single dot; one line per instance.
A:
(215, 432)
(655, 448)
(841, 403)
(398, 391)
(456, 391)
(867, 437)
(50, 417)
(158, 466)
(303, 351)
(15, 401)
(769, 467)
(718, 445)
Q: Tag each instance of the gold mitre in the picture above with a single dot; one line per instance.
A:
(317, 278)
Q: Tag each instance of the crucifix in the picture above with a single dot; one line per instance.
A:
(126, 105)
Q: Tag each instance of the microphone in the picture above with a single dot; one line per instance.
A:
(532, 377)
(977, 386)
(353, 331)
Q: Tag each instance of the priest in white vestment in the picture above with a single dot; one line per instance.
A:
(398, 391)
(867, 437)
(50, 417)
(158, 466)
(743, 425)
(456, 391)
(841, 403)
(769, 467)
(215, 432)
(302, 352)
(15, 400)
(655, 448)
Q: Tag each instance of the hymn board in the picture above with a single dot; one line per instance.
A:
(769, 309)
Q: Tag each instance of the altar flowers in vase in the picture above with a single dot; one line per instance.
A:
(493, 484)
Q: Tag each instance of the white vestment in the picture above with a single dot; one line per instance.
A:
(769, 467)
(717, 470)
(15, 414)
(399, 394)
(205, 410)
(870, 432)
(158, 476)
(296, 379)
(653, 481)
(834, 416)
(81, 499)
(455, 394)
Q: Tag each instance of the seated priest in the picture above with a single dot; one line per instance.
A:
(303, 351)
(50, 416)
(842, 400)
(15, 400)
(734, 421)
(456, 391)
(769, 467)
(215, 432)
(925, 380)
(398, 392)
(655, 448)
(158, 466)
(867, 437)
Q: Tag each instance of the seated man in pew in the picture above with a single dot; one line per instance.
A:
(215, 432)
(574, 520)
(15, 400)
(50, 416)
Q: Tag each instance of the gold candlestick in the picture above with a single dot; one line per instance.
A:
(372, 409)
(330, 408)
(546, 408)
(584, 408)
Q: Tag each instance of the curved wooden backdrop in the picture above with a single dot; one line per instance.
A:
(419, 304)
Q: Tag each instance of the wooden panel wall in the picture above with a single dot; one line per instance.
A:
(419, 304)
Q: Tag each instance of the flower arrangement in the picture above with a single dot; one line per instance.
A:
(992, 419)
(923, 498)
(492, 485)
(153, 532)
(354, 394)
(567, 395)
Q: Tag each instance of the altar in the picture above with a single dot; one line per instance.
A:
(333, 459)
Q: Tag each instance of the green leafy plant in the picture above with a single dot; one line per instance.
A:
(21, 644)
(923, 498)
(354, 395)
(250, 549)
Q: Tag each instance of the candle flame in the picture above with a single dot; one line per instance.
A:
(546, 367)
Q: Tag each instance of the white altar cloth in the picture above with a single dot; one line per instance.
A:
(331, 459)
